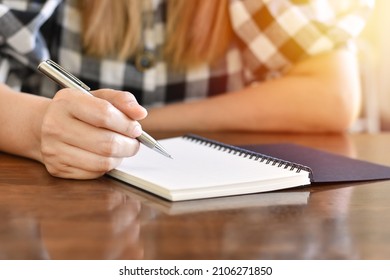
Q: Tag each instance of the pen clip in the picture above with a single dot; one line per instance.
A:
(67, 74)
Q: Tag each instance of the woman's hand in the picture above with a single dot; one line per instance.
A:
(83, 137)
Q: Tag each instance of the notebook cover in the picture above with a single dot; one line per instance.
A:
(326, 167)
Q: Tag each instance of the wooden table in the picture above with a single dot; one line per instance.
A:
(43, 217)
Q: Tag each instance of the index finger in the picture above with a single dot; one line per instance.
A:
(97, 112)
(124, 101)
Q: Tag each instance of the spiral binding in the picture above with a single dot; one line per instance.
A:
(248, 154)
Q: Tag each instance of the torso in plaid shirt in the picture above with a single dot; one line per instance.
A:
(270, 36)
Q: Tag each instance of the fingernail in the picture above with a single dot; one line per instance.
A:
(137, 131)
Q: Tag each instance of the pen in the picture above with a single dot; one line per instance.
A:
(67, 80)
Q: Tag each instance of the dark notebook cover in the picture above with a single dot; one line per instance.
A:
(326, 167)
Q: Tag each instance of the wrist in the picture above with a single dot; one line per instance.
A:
(41, 106)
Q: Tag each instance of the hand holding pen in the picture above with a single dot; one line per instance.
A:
(84, 137)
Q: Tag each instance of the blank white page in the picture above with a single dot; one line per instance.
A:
(202, 171)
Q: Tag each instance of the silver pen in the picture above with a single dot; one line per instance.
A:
(67, 80)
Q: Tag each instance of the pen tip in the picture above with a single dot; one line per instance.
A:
(167, 155)
(162, 151)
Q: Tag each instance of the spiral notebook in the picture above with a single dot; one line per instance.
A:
(203, 168)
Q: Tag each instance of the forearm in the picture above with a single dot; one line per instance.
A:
(20, 120)
(320, 94)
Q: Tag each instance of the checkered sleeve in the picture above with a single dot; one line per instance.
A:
(20, 23)
(277, 33)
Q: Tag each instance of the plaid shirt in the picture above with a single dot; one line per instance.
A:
(270, 36)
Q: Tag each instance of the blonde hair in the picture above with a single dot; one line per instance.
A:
(196, 30)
